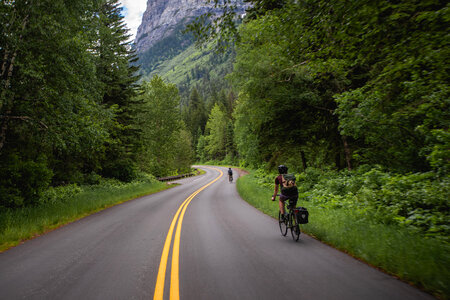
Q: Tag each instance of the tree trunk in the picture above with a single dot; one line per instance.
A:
(338, 160)
(3, 129)
(302, 154)
(347, 153)
(5, 62)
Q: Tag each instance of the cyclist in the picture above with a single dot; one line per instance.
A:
(230, 174)
(288, 191)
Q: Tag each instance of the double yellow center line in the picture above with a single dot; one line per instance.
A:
(174, 280)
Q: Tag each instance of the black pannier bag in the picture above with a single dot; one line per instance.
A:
(301, 214)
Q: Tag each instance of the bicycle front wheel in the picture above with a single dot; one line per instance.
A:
(295, 227)
(283, 224)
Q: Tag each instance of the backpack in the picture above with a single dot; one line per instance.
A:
(288, 185)
(288, 180)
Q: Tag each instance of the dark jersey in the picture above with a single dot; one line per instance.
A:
(278, 179)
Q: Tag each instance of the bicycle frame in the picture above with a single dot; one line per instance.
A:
(290, 223)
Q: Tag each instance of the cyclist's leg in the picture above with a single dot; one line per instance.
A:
(281, 204)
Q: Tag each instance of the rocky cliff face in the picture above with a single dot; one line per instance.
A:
(163, 16)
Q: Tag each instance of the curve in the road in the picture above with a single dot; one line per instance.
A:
(174, 273)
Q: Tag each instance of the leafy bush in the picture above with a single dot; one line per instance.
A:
(418, 201)
(337, 218)
(60, 194)
(122, 169)
(23, 181)
(440, 151)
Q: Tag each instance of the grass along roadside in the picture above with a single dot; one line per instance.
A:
(17, 225)
(411, 257)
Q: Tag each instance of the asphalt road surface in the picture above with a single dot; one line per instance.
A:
(194, 241)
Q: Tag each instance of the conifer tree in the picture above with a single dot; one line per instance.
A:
(48, 96)
(116, 71)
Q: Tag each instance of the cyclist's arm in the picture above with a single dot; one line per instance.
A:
(275, 192)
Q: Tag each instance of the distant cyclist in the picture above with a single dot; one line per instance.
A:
(230, 175)
(289, 189)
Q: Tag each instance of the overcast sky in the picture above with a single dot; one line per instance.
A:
(133, 10)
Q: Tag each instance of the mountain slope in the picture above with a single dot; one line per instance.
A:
(164, 49)
(191, 67)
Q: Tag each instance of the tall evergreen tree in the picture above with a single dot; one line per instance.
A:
(195, 115)
(116, 72)
(49, 96)
(216, 135)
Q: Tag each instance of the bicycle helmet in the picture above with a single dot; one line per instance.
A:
(282, 169)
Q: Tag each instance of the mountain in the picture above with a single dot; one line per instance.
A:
(162, 18)
(164, 49)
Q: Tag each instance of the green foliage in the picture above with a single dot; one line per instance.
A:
(245, 135)
(280, 103)
(409, 254)
(184, 154)
(23, 181)
(218, 25)
(201, 154)
(216, 128)
(203, 69)
(405, 95)
(345, 84)
(120, 168)
(60, 194)
(160, 122)
(62, 205)
(118, 85)
(194, 115)
(440, 151)
(199, 75)
(65, 83)
(415, 201)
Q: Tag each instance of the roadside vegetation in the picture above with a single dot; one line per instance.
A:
(72, 109)
(394, 222)
(325, 87)
(353, 98)
(62, 205)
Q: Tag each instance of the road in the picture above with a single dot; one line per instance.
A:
(221, 248)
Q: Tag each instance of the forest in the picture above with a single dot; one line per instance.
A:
(72, 110)
(352, 96)
(355, 94)
(315, 84)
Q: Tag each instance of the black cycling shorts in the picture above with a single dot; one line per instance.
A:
(292, 200)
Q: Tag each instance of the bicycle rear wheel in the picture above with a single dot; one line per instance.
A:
(295, 227)
(283, 224)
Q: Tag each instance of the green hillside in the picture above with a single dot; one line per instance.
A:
(177, 60)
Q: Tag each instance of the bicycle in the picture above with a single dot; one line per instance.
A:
(289, 223)
(230, 178)
(295, 217)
